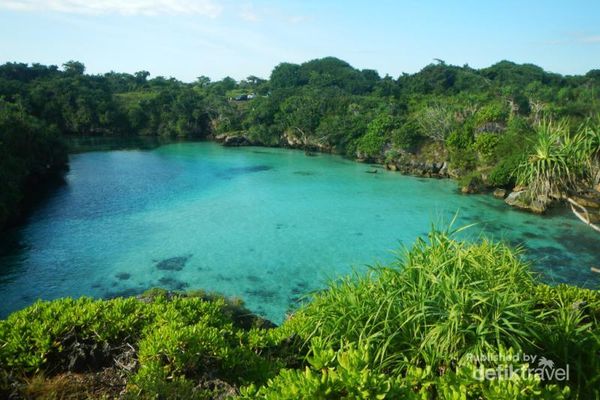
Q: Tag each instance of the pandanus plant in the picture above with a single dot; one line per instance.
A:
(562, 165)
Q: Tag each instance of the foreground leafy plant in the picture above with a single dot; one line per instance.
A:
(428, 326)
(176, 340)
(440, 301)
(450, 307)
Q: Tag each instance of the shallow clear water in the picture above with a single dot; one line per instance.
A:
(266, 225)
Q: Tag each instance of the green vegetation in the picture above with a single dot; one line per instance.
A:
(482, 121)
(562, 165)
(29, 152)
(163, 341)
(426, 327)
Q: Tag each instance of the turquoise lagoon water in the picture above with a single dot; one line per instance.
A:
(266, 225)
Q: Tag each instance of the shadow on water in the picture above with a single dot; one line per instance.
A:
(12, 243)
(250, 169)
(265, 295)
(123, 276)
(304, 173)
(231, 173)
(172, 283)
(253, 278)
(106, 143)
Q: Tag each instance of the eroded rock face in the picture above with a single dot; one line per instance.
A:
(237, 141)
(233, 140)
(523, 199)
(429, 160)
(289, 139)
(411, 165)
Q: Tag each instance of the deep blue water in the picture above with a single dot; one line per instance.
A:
(266, 225)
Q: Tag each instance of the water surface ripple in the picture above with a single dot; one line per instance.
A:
(266, 225)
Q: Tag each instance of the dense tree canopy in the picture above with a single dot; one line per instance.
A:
(483, 119)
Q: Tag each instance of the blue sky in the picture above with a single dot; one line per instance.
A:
(189, 38)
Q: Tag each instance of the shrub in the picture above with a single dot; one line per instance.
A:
(485, 144)
(437, 309)
(178, 339)
(440, 301)
(494, 112)
(407, 135)
(370, 145)
(503, 174)
(418, 328)
(348, 374)
(462, 153)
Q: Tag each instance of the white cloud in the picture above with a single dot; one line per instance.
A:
(590, 39)
(124, 7)
(248, 13)
(249, 16)
(298, 19)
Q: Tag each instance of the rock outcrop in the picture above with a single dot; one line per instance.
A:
(429, 160)
(234, 140)
(474, 186)
(419, 168)
(289, 139)
(500, 193)
(523, 199)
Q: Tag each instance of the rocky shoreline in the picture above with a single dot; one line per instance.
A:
(403, 162)
(430, 162)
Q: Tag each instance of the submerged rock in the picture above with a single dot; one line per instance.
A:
(173, 263)
(249, 169)
(172, 283)
(123, 276)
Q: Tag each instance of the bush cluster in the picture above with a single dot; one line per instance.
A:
(424, 327)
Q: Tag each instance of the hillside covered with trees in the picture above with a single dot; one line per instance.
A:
(475, 124)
